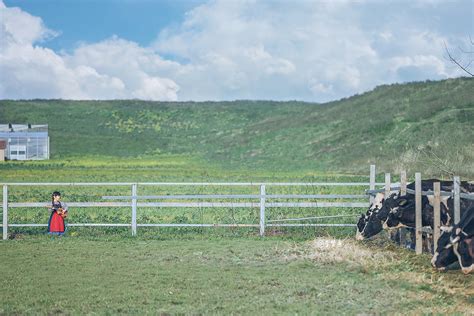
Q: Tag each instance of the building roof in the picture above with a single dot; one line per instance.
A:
(29, 128)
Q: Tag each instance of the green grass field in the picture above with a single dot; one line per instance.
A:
(223, 276)
(231, 271)
(205, 271)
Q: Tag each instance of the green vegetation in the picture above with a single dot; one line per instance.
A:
(229, 276)
(425, 126)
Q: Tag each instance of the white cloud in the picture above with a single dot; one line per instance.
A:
(111, 69)
(19, 27)
(312, 50)
(230, 49)
(141, 71)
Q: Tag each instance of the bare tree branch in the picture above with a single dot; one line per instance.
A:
(455, 61)
(433, 160)
(465, 51)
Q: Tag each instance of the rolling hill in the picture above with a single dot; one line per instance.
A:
(422, 126)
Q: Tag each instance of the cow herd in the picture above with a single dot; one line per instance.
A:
(456, 242)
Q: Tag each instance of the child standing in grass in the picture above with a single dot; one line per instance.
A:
(58, 210)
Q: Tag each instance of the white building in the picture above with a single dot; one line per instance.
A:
(25, 142)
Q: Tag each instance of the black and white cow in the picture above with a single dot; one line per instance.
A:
(368, 225)
(444, 254)
(372, 222)
(399, 211)
(456, 243)
(448, 252)
(462, 238)
(402, 211)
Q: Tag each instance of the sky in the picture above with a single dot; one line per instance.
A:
(200, 50)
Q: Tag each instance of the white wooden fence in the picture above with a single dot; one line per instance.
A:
(259, 201)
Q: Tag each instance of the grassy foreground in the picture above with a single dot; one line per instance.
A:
(100, 271)
(197, 276)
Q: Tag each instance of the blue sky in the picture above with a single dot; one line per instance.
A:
(225, 49)
(96, 20)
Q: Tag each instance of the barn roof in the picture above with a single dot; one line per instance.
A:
(28, 128)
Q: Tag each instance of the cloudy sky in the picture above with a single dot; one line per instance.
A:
(224, 49)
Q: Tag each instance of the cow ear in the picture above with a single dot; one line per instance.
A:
(402, 202)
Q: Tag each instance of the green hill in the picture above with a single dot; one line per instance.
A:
(424, 126)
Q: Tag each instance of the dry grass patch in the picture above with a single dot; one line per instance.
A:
(331, 250)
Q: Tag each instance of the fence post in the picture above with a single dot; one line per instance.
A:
(387, 194)
(387, 185)
(457, 199)
(262, 210)
(418, 224)
(403, 191)
(5, 212)
(403, 183)
(372, 182)
(134, 209)
(437, 214)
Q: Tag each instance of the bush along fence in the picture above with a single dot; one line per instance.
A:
(262, 202)
(436, 193)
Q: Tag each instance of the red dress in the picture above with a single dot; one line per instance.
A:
(56, 221)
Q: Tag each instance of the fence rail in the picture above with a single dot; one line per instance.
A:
(197, 204)
(237, 196)
(468, 196)
(260, 201)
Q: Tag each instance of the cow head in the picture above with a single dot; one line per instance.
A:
(372, 226)
(366, 225)
(444, 254)
(464, 250)
(462, 238)
(379, 199)
(399, 211)
(465, 227)
(360, 226)
(388, 204)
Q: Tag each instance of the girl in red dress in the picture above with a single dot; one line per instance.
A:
(58, 210)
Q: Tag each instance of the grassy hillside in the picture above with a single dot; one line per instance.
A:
(425, 126)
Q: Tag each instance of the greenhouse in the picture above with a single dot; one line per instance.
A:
(25, 141)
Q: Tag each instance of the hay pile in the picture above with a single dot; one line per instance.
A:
(330, 250)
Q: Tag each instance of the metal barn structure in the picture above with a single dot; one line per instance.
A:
(25, 141)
